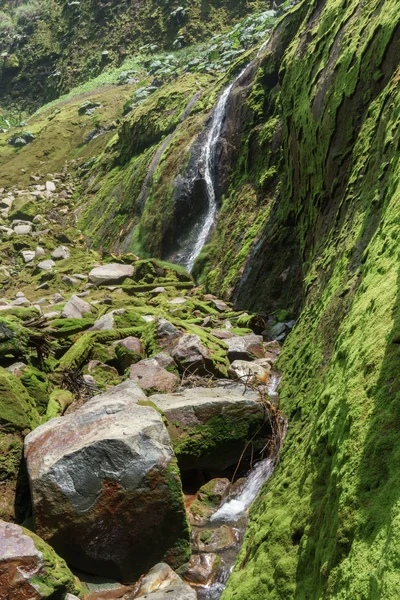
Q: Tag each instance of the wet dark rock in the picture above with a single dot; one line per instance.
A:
(106, 489)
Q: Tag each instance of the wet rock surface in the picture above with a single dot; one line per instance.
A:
(110, 456)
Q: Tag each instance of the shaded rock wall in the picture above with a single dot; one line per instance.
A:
(326, 525)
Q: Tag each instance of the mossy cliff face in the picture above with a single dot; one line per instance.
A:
(326, 526)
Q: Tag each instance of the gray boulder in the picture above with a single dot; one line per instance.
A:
(210, 427)
(105, 487)
(112, 273)
(76, 308)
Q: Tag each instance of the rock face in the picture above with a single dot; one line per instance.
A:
(112, 273)
(210, 428)
(161, 583)
(105, 487)
(29, 568)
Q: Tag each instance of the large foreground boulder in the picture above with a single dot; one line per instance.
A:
(211, 427)
(29, 568)
(106, 489)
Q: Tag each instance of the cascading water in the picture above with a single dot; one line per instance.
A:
(234, 512)
(207, 162)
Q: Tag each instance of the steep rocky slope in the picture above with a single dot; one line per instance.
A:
(326, 527)
(306, 180)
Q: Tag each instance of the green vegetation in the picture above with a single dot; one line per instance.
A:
(325, 527)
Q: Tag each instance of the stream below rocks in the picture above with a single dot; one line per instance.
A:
(229, 523)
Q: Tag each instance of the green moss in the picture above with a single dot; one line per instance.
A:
(14, 338)
(56, 578)
(326, 524)
(58, 402)
(181, 551)
(37, 385)
(11, 448)
(17, 408)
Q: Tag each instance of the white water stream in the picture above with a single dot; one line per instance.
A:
(234, 512)
(207, 162)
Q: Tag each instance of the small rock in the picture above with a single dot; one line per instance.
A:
(276, 332)
(219, 305)
(249, 372)
(105, 323)
(22, 229)
(16, 368)
(76, 308)
(202, 569)
(190, 354)
(62, 252)
(57, 298)
(162, 583)
(153, 378)
(6, 231)
(53, 314)
(50, 186)
(39, 252)
(46, 265)
(69, 281)
(20, 302)
(20, 295)
(177, 301)
(112, 273)
(28, 255)
(158, 290)
(246, 347)
(222, 334)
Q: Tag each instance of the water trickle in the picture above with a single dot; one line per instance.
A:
(234, 512)
(207, 164)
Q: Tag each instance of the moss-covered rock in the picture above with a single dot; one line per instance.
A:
(48, 575)
(18, 411)
(211, 428)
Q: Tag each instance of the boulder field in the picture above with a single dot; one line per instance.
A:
(121, 380)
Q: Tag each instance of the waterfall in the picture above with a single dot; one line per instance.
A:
(235, 508)
(207, 163)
